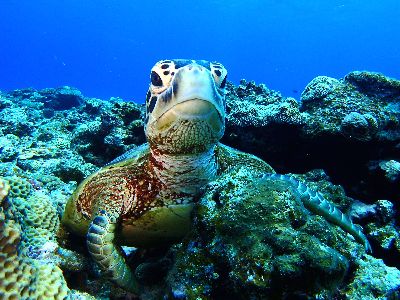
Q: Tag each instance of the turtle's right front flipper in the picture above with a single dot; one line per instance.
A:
(109, 256)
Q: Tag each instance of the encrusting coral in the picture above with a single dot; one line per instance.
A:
(241, 245)
(252, 235)
(35, 213)
(20, 276)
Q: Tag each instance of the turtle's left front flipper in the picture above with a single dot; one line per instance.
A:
(109, 256)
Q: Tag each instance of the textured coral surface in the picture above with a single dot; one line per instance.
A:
(20, 276)
(256, 235)
(251, 239)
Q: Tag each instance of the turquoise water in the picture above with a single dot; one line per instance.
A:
(106, 48)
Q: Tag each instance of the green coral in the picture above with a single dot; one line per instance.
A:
(19, 188)
(319, 88)
(374, 280)
(357, 106)
(38, 219)
(374, 84)
(34, 212)
(254, 239)
(359, 127)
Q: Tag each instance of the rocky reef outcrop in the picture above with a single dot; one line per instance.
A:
(252, 238)
(348, 127)
(255, 240)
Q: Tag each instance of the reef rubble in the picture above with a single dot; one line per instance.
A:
(251, 237)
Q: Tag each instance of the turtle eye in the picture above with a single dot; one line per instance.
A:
(156, 79)
(223, 83)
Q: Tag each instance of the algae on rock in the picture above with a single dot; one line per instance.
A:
(253, 238)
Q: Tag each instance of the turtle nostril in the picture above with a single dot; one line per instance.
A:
(194, 68)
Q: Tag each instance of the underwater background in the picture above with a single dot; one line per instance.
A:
(106, 48)
(313, 90)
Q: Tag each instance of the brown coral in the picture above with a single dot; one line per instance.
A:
(22, 277)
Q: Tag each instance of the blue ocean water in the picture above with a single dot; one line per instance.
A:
(106, 48)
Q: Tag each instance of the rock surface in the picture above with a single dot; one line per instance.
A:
(251, 238)
(353, 122)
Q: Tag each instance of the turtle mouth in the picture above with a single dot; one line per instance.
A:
(191, 110)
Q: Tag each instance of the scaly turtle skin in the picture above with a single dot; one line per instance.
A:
(145, 197)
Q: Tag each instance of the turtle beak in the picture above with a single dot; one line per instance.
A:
(196, 82)
(193, 109)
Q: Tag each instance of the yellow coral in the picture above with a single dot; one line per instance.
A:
(22, 277)
(35, 213)
(4, 189)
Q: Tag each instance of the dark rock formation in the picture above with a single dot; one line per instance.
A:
(342, 126)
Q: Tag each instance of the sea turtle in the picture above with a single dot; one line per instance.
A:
(145, 197)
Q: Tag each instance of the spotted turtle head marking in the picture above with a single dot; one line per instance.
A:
(185, 105)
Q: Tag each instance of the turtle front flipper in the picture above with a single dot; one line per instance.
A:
(109, 256)
(316, 203)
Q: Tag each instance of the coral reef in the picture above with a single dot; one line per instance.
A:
(319, 88)
(374, 280)
(20, 276)
(374, 84)
(255, 240)
(352, 121)
(49, 142)
(258, 106)
(251, 237)
(34, 212)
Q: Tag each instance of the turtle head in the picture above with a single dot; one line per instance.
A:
(185, 106)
